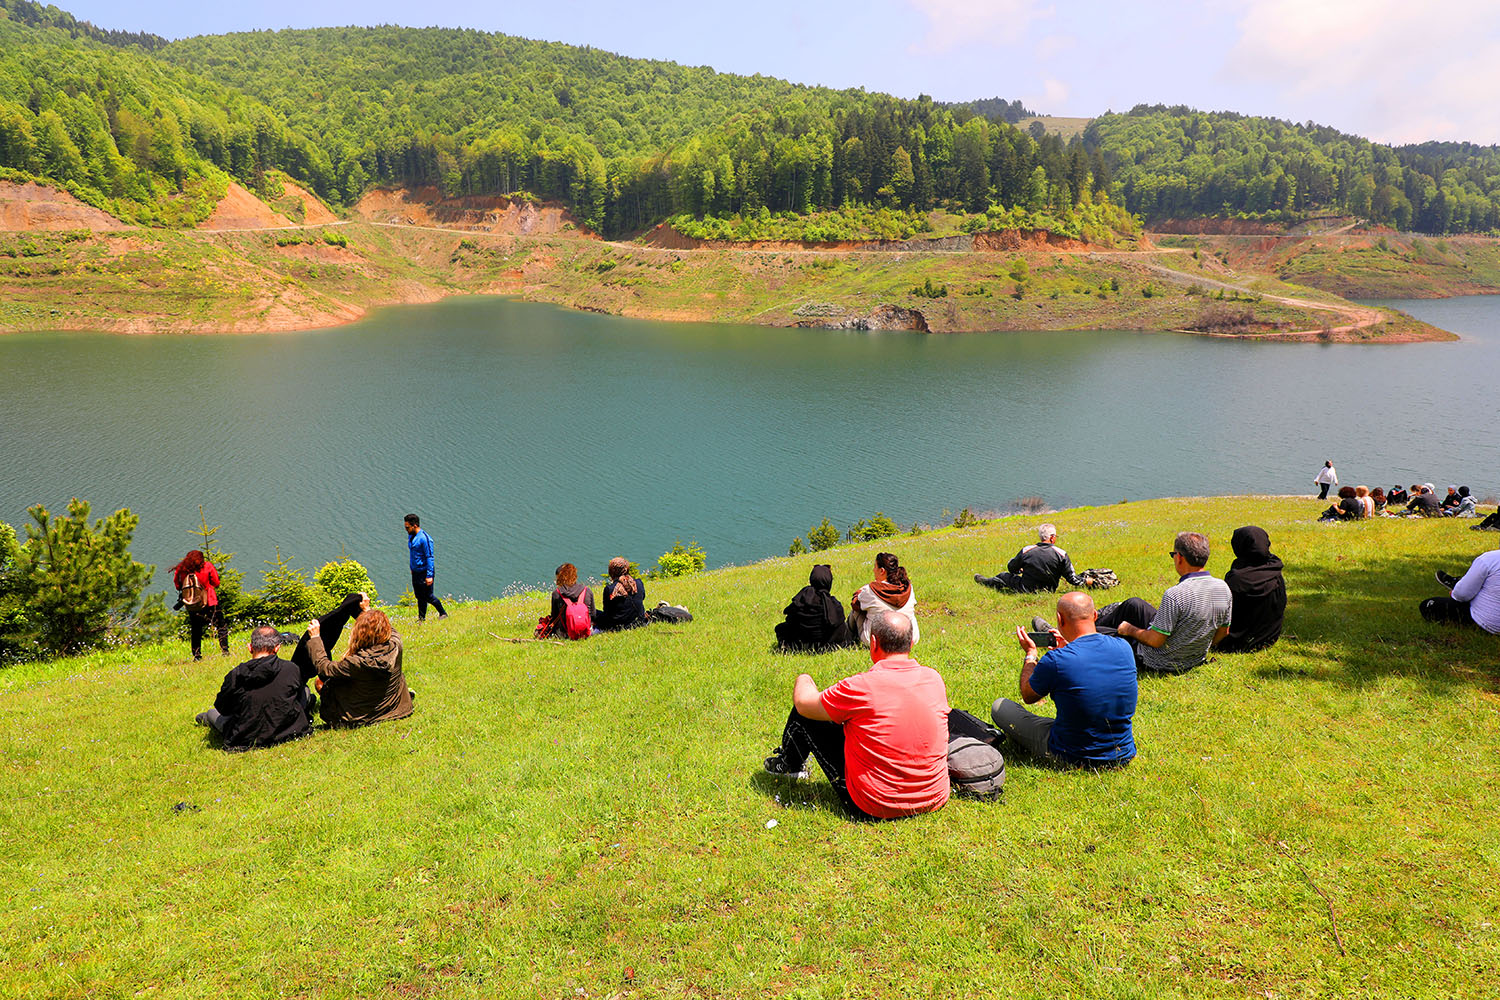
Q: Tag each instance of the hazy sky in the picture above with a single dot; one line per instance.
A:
(1392, 70)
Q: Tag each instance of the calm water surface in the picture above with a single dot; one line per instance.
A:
(526, 435)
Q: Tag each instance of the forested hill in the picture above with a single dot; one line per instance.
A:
(626, 141)
(1179, 163)
(153, 131)
(138, 137)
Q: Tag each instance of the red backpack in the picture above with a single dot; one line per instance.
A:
(576, 618)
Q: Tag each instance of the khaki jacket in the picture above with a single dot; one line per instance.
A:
(363, 687)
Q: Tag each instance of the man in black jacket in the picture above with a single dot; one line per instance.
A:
(1035, 567)
(264, 701)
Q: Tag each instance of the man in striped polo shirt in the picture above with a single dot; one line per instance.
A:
(1192, 619)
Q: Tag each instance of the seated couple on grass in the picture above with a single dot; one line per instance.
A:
(572, 615)
(264, 701)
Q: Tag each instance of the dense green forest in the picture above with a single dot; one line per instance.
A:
(140, 138)
(625, 142)
(1180, 163)
(151, 131)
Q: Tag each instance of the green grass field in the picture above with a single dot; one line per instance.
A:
(589, 819)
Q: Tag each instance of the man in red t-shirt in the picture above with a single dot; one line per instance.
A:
(880, 736)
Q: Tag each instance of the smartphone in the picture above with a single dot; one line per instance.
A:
(1043, 639)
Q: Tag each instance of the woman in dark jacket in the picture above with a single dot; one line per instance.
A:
(1349, 507)
(624, 599)
(815, 618)
(209, 613)
(568, 589)
(1259, 592)
(367, 684)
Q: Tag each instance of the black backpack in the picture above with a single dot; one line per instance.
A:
(672, 614)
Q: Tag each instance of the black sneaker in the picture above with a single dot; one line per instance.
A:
(1448, 581)
(1039, 624)
(776, 764)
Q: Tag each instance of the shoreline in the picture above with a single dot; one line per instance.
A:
(137, 282)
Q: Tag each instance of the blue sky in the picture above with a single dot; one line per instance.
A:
(1392, 70)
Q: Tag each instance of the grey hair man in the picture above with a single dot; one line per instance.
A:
(1036, 567)
(880, 736)
(263, 701)
(1193, 617)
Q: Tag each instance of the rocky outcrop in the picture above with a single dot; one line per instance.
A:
(426, 206)
(884, 317)
(36, 207)
(1009, 240)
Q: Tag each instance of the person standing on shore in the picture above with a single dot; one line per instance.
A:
(1325, 478)
(423, 568)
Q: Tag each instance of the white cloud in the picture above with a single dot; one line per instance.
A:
(955, 23)
(1389, 69)
(1054, 45)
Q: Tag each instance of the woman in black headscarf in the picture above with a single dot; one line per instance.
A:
(1258, 590)
(815, 618)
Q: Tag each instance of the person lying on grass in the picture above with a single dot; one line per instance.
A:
(1091, 679)
(263, 701)
(1474, 598)
(367, 685)
(881, 737)
(1194, 615)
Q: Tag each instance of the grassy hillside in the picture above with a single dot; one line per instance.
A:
(588, 819)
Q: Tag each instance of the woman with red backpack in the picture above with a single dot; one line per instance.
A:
(196, 579)
(572, 607)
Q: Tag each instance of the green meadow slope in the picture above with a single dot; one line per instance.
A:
(589, 819)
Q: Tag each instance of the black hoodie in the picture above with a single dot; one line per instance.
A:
(1259, 592)
(264, 702)
(815, 618)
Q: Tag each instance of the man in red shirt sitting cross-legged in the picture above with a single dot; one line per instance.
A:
(881, 737)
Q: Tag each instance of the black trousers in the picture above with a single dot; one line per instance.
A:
(425, 596)
(1006, 581)
(198, 620)
(1323, 493)
(1446, 610)
(330, 627)
(1134, 610)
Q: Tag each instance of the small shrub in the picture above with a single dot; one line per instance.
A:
(334, 238)
(797, 548)
(343, 577)
(824, 536)
(1031, 505)
(877, 527)
(681, 560)
(967, 519)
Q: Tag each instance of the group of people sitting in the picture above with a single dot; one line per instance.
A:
(1356, 502)
(265, 701)
(573, 615)
(815, 620)
(881, 736)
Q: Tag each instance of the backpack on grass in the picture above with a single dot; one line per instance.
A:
(976, 768)
(576, 619)
(672, 614)
(192, 592)
(1100, 579)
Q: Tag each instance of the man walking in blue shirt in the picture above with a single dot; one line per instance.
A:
(423, 568)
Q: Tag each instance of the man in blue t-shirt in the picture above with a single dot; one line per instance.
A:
(1091, 678)
(423, 568)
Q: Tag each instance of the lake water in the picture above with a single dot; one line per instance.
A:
(526, 435)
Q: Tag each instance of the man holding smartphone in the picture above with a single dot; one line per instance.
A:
(1092, 681)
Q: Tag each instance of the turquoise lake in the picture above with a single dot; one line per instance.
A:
(526, 435)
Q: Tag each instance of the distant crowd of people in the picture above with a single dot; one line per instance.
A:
(1420, 500)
